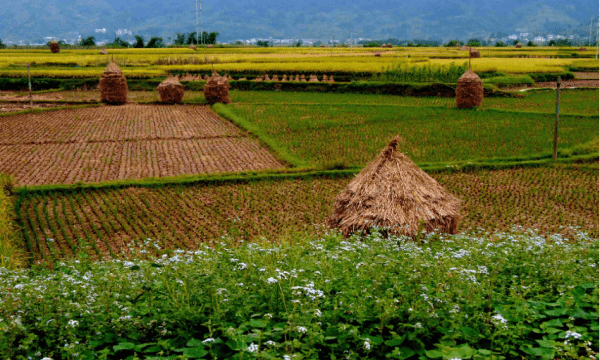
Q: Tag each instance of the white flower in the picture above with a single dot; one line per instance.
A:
(74, 323)
(367, 344)
(271, 343)
(301, 329)
(271, 280)
(268, 316)
(252, 347)
(318, 313)
(287, 357)
(456, 359)
(47, 358)
(572, 334)
(499, 318)
(418, 325)
(209, 340)
(19, 286)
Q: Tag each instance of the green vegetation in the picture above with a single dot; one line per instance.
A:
(402, 72)
(474, 296)
(351, 135)
(10, 254)
(510, 80)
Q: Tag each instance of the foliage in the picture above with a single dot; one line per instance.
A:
(403, 72)
(2, 45)
(139, 42)
(298, 43)
(453, 43)
(155, 42)
(515, 42)
(118, 42)
(88, 41)
(474, 42)
(506, 295)
(372, 44)
(261, 43)
(209, 38)
(192, 38)
(563, 42)
(179, 39)
(10, 254)
(552, 42)
(500, 44)
(531, 43)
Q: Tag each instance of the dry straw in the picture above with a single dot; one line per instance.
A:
(519, 45)
(392, 192)
(469, 90)
(103, 52)
(54, 47)
(464, 48)
(113, 85)
(216, 90)
(475, 54)
(313, 78)
(170, 91)
(193, 47)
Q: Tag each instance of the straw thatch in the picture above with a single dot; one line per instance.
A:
(519, 45)
(259, 78)
(313, 78)
(193, 47)
(267, 78)
(393, 193)
(170, 91)
(475, 54)
(103, 52)
(113, 85)
(469, 90)
(464, 48)
(216, 90)
(54, 47)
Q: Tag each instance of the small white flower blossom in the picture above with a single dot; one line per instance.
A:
(209, 340)
(73, 323)
(301, 329)
(271, 280)
(252, 347)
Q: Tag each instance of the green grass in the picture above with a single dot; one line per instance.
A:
(572, 102)
(352, 135)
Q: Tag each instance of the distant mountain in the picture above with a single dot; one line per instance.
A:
(32, 20)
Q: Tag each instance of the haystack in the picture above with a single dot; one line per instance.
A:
(393, 193)
(206, 78)
(302, 77)
(297, 78)
(113, 85)
(582, 49)
(284, 78)
(331, 78)
(259, 78)
(377, 54)
(54, 47)
(210, 46)
(242, 79)
(275, 78)
(230, 78)
(216, 90)
(170, 91)
(267, 78)
(313, 78)
(464, 48)
(519, 45)
(469, 90)
(103, 52)
(325, 79)
(193, 47)
(475, 54)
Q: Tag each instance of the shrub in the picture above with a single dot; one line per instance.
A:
(155, 42)
(372, 44)
(453, 43)
(530, 43)
(2, 45)
(262, 43)
(119, 43)
(88, 41)
(10, 256)
(500, 44)
(474, 42)
(139, 42)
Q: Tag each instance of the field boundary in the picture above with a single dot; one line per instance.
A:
(40, 110)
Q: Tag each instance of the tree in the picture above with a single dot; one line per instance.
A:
(119, 42)
(262, 43)
(500, 44)
(209, 38)
(139, 42)
(88, 41)
(563, 42)
(552, 42)
(453, 43)
(298, 43)
(2, 45)
(155, 42)
(530, 43)
(474, 42)
(192, 38)
(179, 39)
(515, 42)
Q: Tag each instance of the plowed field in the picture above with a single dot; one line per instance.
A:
(125, 142)
(548, 199)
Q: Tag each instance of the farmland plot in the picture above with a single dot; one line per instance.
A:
(547, 199)
(126, 142)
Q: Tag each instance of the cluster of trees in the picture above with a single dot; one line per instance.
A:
(2, 45)
(192, 38)
(157, 42)
(477, 42)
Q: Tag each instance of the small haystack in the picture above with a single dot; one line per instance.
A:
(313, 78)
(210, 46)
(103, 52)
(582, 49)
(267, 78)
(216, 90)
(206, 78)
(193, 47)
(297, 78)
(469, 90)
(302, 78)
(475, 54)
(259, 78)
(464, 48)
(392, 192)
(275, 78)
(113, 85)
(331, 79)
(519, 45)
(170, 91)
(230, 78)
(242, 79)
(54, 47)
(377, 54)
(284, 78)
(325, 79)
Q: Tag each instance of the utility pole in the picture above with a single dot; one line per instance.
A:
(556, 121)
(201, 30)
(197, 33)
(590, 38)
(351, 41)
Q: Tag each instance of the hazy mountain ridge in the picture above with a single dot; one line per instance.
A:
(32, 20)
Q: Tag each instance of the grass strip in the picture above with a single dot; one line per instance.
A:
(38, 110)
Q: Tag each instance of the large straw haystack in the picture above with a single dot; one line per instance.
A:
(519, 45)
(469, 90)
(475, 54)
(464, 48)
(216, 90)
(170, 91)
(582, 49)
(313, 78)
(206, 77)
(103, 52)
(54, 47)
(392, 192)
(113, 85)
(325, 79)
(297, 78)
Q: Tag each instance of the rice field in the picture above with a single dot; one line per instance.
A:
(351, 135)
(125, 142)
(57, 223)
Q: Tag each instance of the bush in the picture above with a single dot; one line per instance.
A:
(453, 43)
(88, 41)
(372, 44)
(506, 295)
(530, 43)
(500, 44)
(119, 43)
(262, 43)
(474, 42)
(139, 42)
(2, 45)
(155, 42)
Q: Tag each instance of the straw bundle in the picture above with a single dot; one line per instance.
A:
(230, 78)
(206, 78)
(267, 78)
(242, 79)
(113, 85)
(103, 52)
(284, 78)
(54, 47)
(475, 54)
(469, 90)
(393, 193)
(259, 78)
(519, 45)
(217, 90)
(313, 78)
(275, 78)
(170, 91)
(582, 49)
(210, 46)
(464, 48)
(331, 79)
(325, 78)
(297, 77)
(377, 54)
(302, 78)
(193, 47)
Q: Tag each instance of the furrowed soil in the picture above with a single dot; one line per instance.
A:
(125, 142)
(548, 199)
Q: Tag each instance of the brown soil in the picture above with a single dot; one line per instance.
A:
(20, 106)
(587, 75)
(126, 142)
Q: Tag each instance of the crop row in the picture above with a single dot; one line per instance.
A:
(547, 199)
(352, 135)
(114, 123)
(69, 163)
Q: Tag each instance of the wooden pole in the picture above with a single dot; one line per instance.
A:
(469, 58)
(556, 121)
(30, 95)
